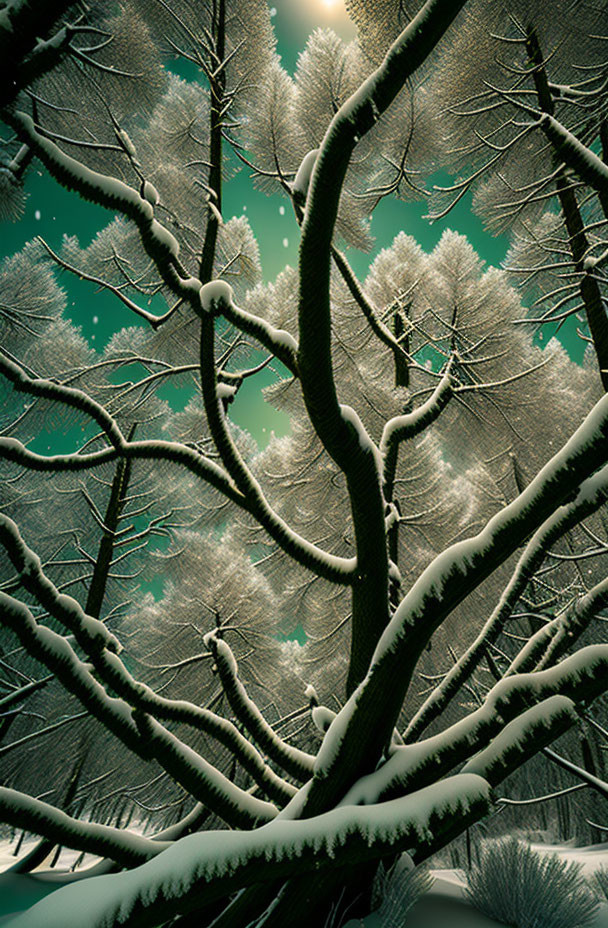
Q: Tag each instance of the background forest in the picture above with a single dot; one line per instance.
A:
(360, 633)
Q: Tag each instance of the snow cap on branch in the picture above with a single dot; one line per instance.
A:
(214, 295)
(302, 179)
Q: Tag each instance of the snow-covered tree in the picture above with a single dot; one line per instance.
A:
(525, 127)
(434, 514)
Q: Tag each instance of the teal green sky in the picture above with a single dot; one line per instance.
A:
(53, 212)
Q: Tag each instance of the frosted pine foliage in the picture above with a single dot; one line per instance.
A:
(329, 71)
(271, 119)
(116, 256)
(380, 24)
(238, 258)
(186, 27)
(12, 198)
(28, 284)
(277, 301)
(491, 138)
(523, 888)
(129, 78)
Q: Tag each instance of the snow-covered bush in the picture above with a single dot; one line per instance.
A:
(600, 882)
(524, 889)
(397, 890)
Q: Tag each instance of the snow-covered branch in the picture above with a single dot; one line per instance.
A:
(144, 736)
(57, 654)
(214, 296)
(589, 167)
(401, 428)
(87, 633)
(338, 569)
(578, 679)
(444, 584)
(76, 399)
(203, 868)
(553, 639)
(360, 112)
(235, 806)
(380, 330)
(217, 298)
(124, 847)
(592, 494)
(295, 762)
(523, 737)
(161, 245)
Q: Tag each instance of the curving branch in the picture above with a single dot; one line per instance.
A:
(581, 159)
(446, 582)
(591, 169)
(402, 428)
(235, 806)
(331, 567)
(552, 640)
(111, 669)
(69, 396)
(345, 444)
(151, 318)
(123, 847)
(592, 494)
(213, 865)
(295, 762)
(578, 679)
(110, 192)
(380, 330)
(146, 738)
(56, 653)
(282, 345)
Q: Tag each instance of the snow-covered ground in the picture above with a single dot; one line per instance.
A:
(18, 891)
(445, 906)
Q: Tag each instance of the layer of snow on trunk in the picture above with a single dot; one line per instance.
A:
(352, 417)
(302, 179)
